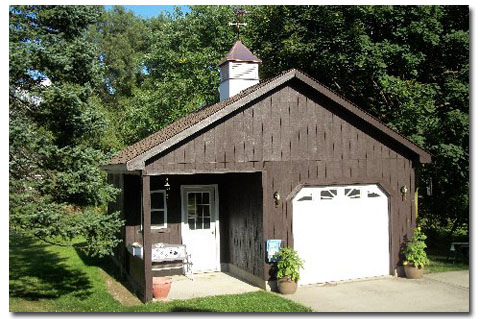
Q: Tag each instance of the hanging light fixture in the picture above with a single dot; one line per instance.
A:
(167, 188)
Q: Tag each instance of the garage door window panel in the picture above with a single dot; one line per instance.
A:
(328, 194)
(352, 193)
(372, 194)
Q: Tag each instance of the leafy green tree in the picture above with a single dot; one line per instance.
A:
(181, 67)
(121, 40)
(407, 65)
(56, 188)
(121, 37)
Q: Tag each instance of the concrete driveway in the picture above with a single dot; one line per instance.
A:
(436, 292)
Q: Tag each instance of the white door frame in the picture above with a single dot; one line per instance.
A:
(184, 226)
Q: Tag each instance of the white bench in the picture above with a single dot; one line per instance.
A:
(454, 246)
(166, 257)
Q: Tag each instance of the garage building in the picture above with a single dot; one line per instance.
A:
(285, 158)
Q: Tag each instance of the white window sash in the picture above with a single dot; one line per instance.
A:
(156, 210)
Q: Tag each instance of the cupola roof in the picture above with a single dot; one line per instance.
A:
(240, 53)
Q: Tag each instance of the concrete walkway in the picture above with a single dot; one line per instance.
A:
(436, 292)
(208, 284)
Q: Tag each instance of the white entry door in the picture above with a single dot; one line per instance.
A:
(200, 231)
(341, 232)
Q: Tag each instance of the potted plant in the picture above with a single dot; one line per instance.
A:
(288, 267)
(161, 287)
(414, 255)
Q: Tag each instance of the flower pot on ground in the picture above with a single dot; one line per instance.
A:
(413, 272)
(161, 287)
(286, 286)
(414, 255)
(288, 267)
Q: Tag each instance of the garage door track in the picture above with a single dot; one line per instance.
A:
(436, 292)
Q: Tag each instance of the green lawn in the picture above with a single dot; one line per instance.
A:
(45, 278)
(440, 263)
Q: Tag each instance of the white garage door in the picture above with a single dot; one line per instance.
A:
(341, 232)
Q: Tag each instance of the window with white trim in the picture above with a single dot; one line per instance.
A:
(158, 209)
(199, 208)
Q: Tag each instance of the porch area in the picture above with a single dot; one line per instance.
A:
(207, 284)
(216, 218)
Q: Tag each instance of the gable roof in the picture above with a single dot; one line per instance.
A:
(133, 157)
(240, 53)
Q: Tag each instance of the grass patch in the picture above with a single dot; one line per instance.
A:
(259, 301)
(441, 264)
(46, 278)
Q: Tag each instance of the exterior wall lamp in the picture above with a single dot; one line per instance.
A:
(276, 198)
(404, 191)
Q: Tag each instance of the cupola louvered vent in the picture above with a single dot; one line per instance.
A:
(238, 71)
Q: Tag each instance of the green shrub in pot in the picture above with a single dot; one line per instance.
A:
(414, 251)
(288, 270)
(414, 255)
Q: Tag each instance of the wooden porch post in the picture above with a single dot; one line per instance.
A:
(147, 239)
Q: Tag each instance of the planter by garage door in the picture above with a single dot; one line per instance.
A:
(342, 232)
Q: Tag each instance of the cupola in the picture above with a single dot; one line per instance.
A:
(238, 70)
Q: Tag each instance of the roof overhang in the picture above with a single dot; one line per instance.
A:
(119, 169)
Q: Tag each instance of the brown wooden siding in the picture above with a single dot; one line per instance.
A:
(241, 206)
(128, 203)
(136, 275)
(294, 137)
(132, 208)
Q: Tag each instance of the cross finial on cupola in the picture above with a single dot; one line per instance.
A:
(239, 12)
(238, 70)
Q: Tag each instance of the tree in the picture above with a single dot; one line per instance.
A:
(121, 40)
(180, 69)
(56, 188)
(407, 65)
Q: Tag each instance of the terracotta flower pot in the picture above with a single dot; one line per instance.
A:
(286, 286)
(412, 272)
(161, 287)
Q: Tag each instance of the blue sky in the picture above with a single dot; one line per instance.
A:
(149, 11)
